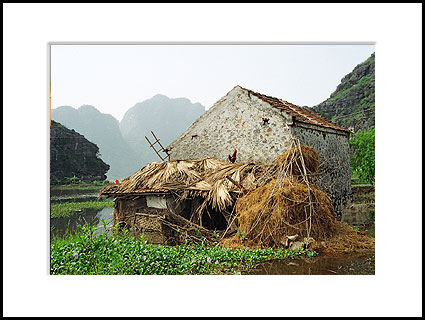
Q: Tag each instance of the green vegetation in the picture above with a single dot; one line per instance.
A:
(363, 155)
(363, 81)
(73, 180)
(364, 100)
(95, 185)
(120, 253)
(68, 208)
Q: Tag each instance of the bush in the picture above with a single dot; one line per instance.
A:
(73, 180)
(363, 155)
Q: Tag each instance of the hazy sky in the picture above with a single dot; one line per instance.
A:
(113, 78)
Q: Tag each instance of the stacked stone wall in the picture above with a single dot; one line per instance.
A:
(239, 121)
(334, 161)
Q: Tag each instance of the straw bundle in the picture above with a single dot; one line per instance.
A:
(295, 158)
(219, 196)
(283, 208)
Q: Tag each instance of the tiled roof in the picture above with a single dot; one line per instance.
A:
(301, 114)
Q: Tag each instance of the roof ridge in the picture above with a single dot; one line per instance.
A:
(289, 105)
(308, 116)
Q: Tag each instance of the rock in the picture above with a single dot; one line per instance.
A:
(308, 241)
(296, 245)
(352, 103)
(73, 155)
(293, 238)
(289, 239)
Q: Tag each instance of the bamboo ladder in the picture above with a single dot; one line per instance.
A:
(167, 157)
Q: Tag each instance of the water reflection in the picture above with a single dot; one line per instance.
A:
(74, 195)
(93, 217)
(321, 265)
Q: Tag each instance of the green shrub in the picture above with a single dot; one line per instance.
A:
(363, 155)
(73, 180)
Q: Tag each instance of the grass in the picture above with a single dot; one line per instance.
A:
(119, 254)
(78, 186)
(66, 209)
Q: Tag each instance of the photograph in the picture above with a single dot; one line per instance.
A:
(212, 159)
(249, 158)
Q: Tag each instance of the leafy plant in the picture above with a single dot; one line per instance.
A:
(363, 155)
(116, 252)
(242, 235)
(73, 180)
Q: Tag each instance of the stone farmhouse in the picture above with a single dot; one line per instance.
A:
(261, 128)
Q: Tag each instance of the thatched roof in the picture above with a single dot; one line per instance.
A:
(207, 177)
(212, 179)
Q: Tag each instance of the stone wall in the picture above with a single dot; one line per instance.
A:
(334, 160)
(235, 122)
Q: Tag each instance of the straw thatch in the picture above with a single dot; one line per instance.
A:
(206, 177)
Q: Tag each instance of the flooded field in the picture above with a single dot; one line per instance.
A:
(93, 217)
(74, 195)
(322, 265)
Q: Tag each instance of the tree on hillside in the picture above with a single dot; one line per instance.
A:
(363, 155)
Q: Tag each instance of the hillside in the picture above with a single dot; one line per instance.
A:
(123, 145)
(167, 118)
(73, 155)
(352, 104)
(102, 129)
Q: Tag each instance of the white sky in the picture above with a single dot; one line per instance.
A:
(113, 78)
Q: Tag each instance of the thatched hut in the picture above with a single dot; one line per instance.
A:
(210, 199)
(191, 197)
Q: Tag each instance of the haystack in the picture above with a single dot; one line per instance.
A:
(290, 204)
(282, 208)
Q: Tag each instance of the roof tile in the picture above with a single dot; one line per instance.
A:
(301, 114)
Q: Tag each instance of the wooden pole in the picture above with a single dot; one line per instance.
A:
(244, 191)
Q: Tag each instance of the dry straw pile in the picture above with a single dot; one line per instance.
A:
(290, 205)
(283, 208)
(345, 240)
(298, 158)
